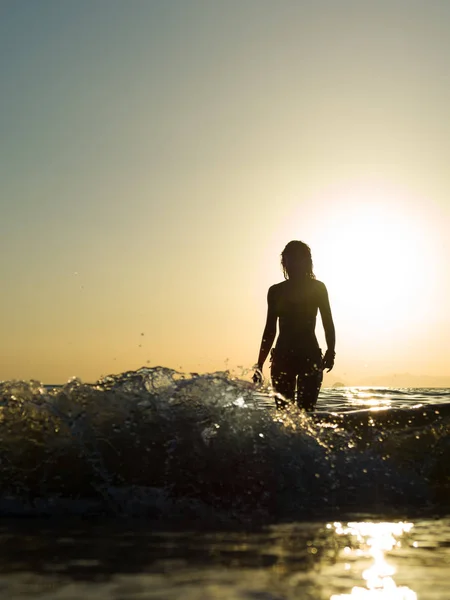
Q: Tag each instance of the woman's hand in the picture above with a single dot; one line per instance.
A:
(258, 376)
(328, 360)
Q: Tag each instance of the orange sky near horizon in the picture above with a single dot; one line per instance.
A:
(158, 156)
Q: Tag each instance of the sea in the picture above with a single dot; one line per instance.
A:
(180, 486)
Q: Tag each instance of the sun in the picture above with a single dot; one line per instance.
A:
(374, 254)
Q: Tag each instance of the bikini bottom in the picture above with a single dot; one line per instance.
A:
(297, 377)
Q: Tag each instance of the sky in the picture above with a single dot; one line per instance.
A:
(157, 156)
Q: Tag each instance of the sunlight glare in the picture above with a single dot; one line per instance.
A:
(374, 254)
(373, 540)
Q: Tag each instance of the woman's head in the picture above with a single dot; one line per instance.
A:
(296, 260)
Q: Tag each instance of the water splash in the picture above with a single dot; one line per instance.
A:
(164, 443)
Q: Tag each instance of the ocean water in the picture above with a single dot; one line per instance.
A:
(159, 484)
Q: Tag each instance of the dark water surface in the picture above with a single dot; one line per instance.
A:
(362, 559)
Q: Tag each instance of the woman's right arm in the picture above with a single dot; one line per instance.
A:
(270, 329)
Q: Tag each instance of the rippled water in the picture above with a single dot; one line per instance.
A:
(348, 560)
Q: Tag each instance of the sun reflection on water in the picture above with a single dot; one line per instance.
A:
(373, 540)
(369, 399)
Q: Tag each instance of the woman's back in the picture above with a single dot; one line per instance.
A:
(296, 305)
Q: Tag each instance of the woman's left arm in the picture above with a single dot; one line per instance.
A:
(328, 326)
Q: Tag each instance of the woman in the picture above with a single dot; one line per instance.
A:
(297, 363)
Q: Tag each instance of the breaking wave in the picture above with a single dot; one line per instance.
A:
(174, 446)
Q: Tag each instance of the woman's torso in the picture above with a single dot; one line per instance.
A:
(296, 305)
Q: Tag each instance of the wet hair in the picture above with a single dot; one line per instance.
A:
(296, 260)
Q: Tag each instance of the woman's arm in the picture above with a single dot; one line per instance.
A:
(270, 329)
(328, 326)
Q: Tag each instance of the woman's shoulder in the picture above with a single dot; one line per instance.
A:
(318, 284)
(283, 287)
(277, 289)
(320, 288)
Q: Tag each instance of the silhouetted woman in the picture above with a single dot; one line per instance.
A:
(297, 363)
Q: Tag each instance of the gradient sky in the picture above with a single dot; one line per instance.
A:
(156, 157)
